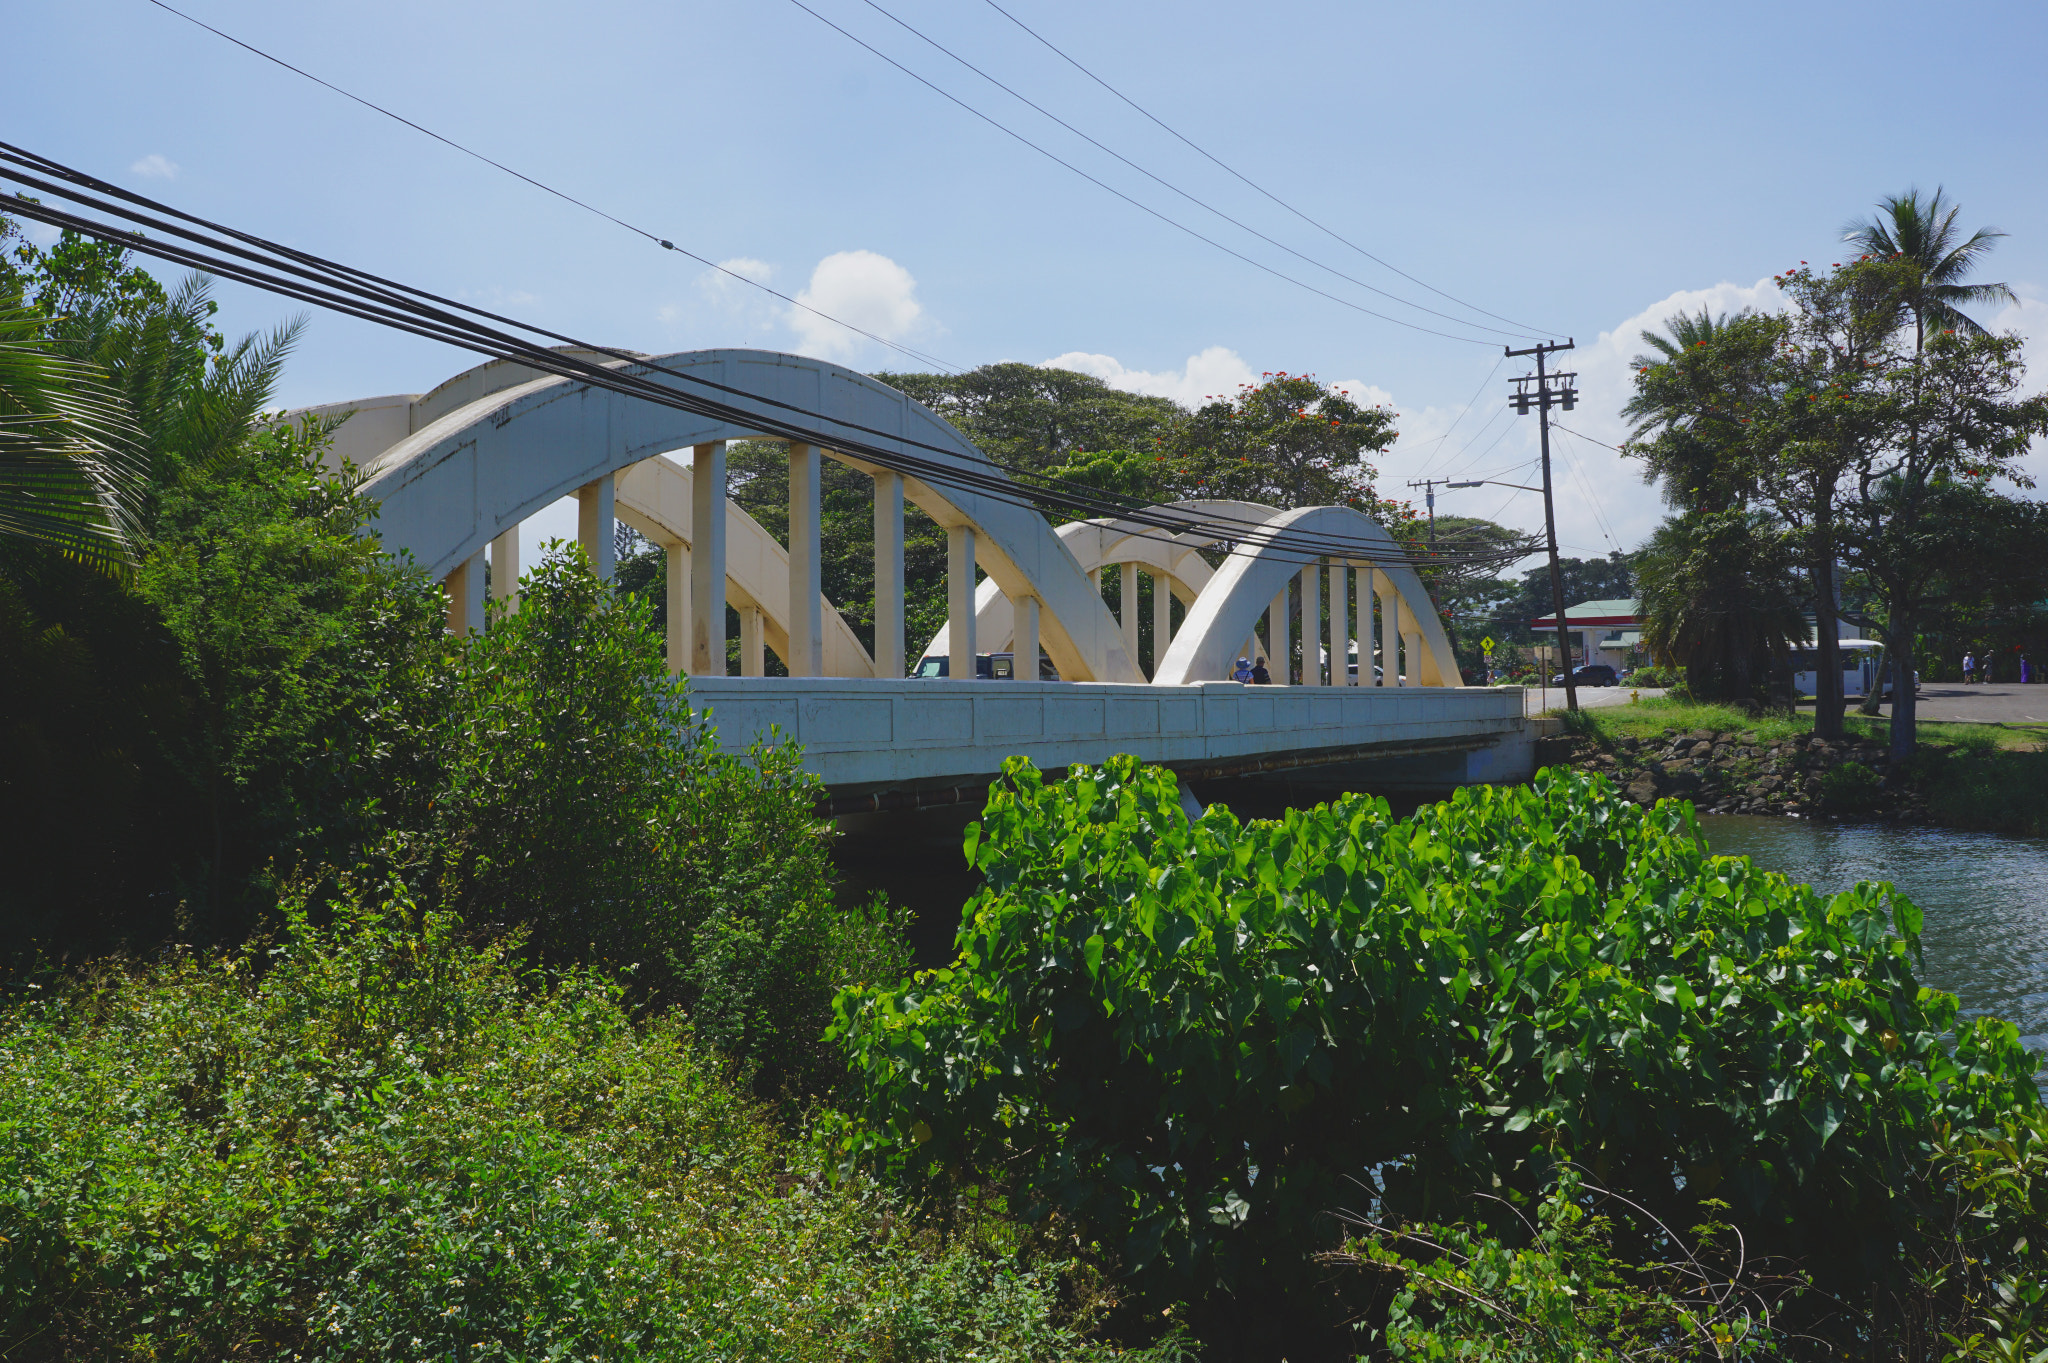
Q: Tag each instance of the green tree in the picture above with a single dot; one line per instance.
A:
(1290, 441)
(1716, 596)
(1030, 418)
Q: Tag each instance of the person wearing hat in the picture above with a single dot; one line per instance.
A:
(1243, 672)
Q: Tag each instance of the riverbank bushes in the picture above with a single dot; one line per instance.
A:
(387, 1138)
(1201, 1041)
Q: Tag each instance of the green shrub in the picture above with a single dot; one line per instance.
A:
(576, 796)
(1851, 788)
(1197, 1040)
(380, 1140)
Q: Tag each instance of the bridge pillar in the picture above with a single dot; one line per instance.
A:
(1340, 627)
(960, 602)
(707, 560)
(505, 571)
(1281, 659)
(465, 588)
(1397, 636)
(889, 574)
(594, 507)
(1311, 625)
(806, 580)
(1127, 616)
(678, 585)
(1367, 590)
(753, 642)
(1162, 619)
(1025, 643)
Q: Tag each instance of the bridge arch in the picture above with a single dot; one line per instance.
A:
(1253, 576)
(496, 444)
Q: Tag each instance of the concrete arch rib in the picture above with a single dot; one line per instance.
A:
(448, 489)
(653, 497)
(1092, 543)
(1252, 576)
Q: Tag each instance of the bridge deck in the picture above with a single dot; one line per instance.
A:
(872, 735)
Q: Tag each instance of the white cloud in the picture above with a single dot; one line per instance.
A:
(1215, 372)
(861, 289)
(155, 167)
(2029, 317)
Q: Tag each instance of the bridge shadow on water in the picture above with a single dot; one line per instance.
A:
(914, 857)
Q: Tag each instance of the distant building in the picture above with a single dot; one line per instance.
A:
(1608, 632)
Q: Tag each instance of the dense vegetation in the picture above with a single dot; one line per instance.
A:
(1199, 1041)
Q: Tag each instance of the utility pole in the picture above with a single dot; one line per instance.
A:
(1428, 486)
(1567, 397)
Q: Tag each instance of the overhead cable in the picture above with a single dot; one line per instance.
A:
(1201, 151)
(1141, 206)
(303, 276)
(1176, 189)
(657, 239)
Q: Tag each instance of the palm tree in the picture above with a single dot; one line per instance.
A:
(1674, 434)
(1717, 601)
(1924, 233)
(72, 468)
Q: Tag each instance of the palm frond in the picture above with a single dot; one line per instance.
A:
(72, 469)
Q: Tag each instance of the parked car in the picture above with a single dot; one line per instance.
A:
(987, 667)
(1589, 674)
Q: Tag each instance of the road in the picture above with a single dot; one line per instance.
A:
(1960, 703)
(1537, 700)
(1948, 702)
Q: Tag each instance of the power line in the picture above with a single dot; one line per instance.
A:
(309, 278)
(1463, 412)
(1107, 188)
(566, 197)
(911, 29)
(1227, 168)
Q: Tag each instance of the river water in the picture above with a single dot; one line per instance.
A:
(1985, 899)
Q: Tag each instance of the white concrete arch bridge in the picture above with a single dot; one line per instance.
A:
(456, 470)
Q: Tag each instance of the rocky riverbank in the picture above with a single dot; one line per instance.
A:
(1737, 772)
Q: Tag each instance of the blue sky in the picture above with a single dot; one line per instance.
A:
(1584, 171)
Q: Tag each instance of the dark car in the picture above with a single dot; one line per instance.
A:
(987, 667)
(1590, 674)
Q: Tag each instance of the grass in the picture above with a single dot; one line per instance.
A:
(1988, 777)
(1651, 716)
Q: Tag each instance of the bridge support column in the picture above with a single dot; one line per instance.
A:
(1162, 619)
(465, 588)
(1367, 589)
(1311, 624)
(505, 571)
(1025, 645)
(1340, 628)
(1414, 652)
(888, 574)
(707, 560)
(678, 586)
(806, 580)
(960, 602)
(1127, 616)
(753, 642)
(1397, 675)
(594, 509)
(1280, 662)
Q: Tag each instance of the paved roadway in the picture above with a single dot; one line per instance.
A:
(1537, 699)
(1993, 704)
(1952, 702)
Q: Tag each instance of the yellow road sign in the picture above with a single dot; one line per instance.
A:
(1486, 644)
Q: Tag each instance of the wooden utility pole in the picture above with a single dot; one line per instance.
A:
(1542, 394)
